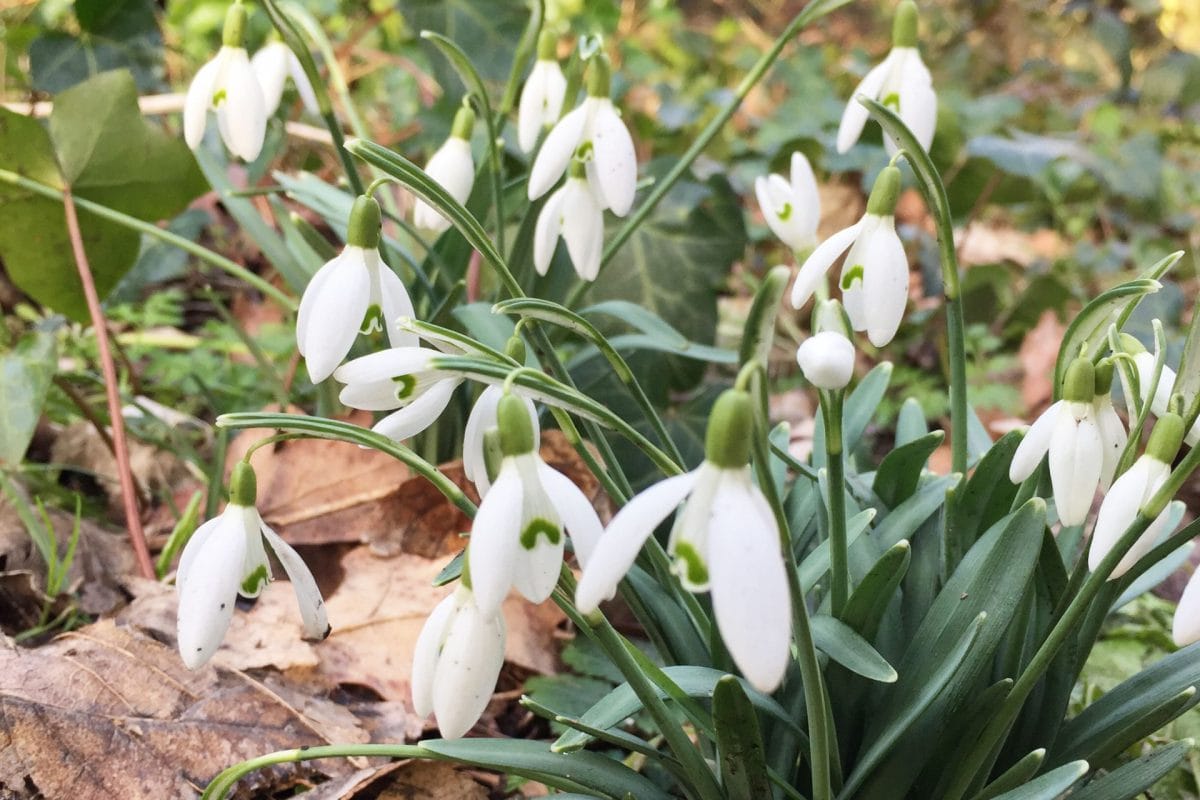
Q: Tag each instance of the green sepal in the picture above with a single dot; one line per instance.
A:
(514, 348)
(885, 192)
(730, 425)
(516, 429)
(363, 228)
(243, 485)
(1104, 376)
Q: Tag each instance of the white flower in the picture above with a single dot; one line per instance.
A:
(900, 82)
(827, 360)
(272, 65)
(517, 537)
(456, 661)
(224, 558)
(875, 273)
(1120, 508)
(228, 86)
(1068, 430)
(483, 417)
(573, 213)
(792, 210)
(541, 100)
(1162, 392)
(595, 133)
(398, 378)
(1112, 435)
(453, 168)
(724, 540)
(1185, 628)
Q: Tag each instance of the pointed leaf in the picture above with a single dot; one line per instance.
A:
(841, 643)
(739, 743)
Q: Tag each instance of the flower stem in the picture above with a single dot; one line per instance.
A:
(839, 563)
(221, 785)
(133, 517)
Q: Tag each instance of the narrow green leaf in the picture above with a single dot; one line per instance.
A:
(758, 336)
(1133, 778)
(985, 497)
(1015, 776)
(910, 424)
(841, 643)
(904, 520)
(743, 762)
(639, 317)
(1050, 786)
(869, 600)
(1100, 745)
(859, 409)
(816, 564)
(900, 470)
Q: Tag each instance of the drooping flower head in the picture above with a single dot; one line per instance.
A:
(874, 278)
(595, 134)
(725, 541)
(792, 209)
(228, 86)
(453, 168)
(574, 214)
(352, 293)
(226, 557)
(517, 537)
(399, 378)
(1069, 432)
(1131, 493)
(901, 82)
(542, 98)
(273, 64)
(456, 661)
(484, 418)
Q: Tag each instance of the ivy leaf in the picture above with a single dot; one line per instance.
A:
(487, 29)
(98, 144)
(113, 34)
(25, 375)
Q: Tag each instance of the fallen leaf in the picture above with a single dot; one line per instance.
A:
(408, 780)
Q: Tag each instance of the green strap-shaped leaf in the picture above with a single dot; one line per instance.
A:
(900, 470)
(1050, 786)
(1015, 776)
(985, 497)
(903, 521)
(1129, 780)
(816, 564)
(743, 761)
(1102, 744)
(910, 424)
(841, 643)
(869, 600)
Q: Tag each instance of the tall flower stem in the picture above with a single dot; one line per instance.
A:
(133, 517)
(839, 562)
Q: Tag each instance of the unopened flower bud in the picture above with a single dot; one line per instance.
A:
(827, 360)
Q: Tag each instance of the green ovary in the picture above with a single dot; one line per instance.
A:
(539, 526)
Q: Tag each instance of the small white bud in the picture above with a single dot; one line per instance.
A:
(827, 360)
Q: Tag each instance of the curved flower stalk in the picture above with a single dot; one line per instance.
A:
(273, 64)
(725, 540)
(483, 418)
(1069, 432)
(517, 538)
(224, 558)
(453, 168)
(351, 294)
(901, 82)
(542, 98)
(875, 273)
(228, 86)
(456, 661)
(792, 209)
(594, 133)
(1131, 492)
(574, 214)
(827, 360)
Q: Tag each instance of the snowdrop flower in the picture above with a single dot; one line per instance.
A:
(1163, 391)
(351, 294)
(1112, 431)
(273, 64)
(484, 418)
(224, 558)
(400, 378)
(827, 360)
(456, 661)
(453, 168)
(792, 210)
(595, 133)
(1130, 494)
(1068, 431)
(1185, 628)
(875, 273)
(573, 213)
(227, 85)
(543, 95)
(725, 540)
(517, 537)
(900, 82)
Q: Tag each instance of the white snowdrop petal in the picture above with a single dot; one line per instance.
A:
(396, 305)
(536, 571)
(334, 315)
(529, 109)
(827, 360)
(198, 101)
(493, 551)
(1076, 458)
(303, 86)
(256, 568)
(385, 365)
(308, 596)
(242, 114)
(1116, 514)
(425, 654)
(918, 101)
(582, 229)
(855, 116)
(420, 413)
(1034, 444)
(749, 587)
(547, 230)
(194, 545)
(309, 301)
(804, 187)
(885, 283)
(470, 661)
(617, 549)
(479, 421)
(818, 263)
(614, 158)
(556, 152)
(1185, 629)
(578, 514)
(206, 599)
(270, 65)
(1112, 433)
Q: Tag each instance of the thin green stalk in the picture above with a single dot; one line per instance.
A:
(839, 563)
(521, 57)
(152, 230)
(222, 784)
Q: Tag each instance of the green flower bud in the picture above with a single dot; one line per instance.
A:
(235, 26)
(1166, 438)
(243, 484)
(1079, 386)
(599, 82)
(365, 218)
(904, 25)
(885, 193)
(730, 425)
(516, 429)
(514, 348)
(464, 123)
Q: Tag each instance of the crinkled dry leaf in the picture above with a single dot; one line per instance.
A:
(408, 780)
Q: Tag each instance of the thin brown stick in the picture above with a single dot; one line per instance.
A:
(133, 520)
(85, 408)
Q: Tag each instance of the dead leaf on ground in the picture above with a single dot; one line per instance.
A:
(982, 243)
(407, 780)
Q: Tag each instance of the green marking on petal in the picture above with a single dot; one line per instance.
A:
(253, 583)
(851, 275)
(540, 527)
(584, 151)
(372, 320)
(695, 571)
(405, 386)
(785, 212)
(892, 101)
(219, 96)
